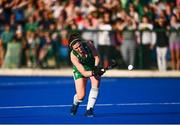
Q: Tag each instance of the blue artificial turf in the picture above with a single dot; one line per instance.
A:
(44, 99)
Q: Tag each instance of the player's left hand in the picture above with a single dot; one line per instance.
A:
(98, 71)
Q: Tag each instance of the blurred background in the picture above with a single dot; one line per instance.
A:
(143, 33)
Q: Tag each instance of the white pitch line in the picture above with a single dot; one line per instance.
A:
(139, 104)
(100, 105)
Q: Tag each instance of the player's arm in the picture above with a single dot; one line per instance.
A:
(95, 52)
(79, 66)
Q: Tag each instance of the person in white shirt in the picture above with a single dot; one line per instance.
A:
(146, 41)
(104, 40)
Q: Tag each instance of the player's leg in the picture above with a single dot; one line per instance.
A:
(93, 94)
(80, 85)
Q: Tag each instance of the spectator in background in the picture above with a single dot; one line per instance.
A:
(57, 9)
(70, 9)
(18, 7)
(139, 7)
(159, 6)
(32, 49)
(79, 19)
(86, 7)
(55, 44)
(146, 41)
(46, 19)
(61, 23)
(20, 38)
(117, 40)
(114, 6)
(121, 14)
(31, 24)
(147, 10)
(161, 43)
(6, 36)
(177, 13)
(64, 48)
(30, 9)
(104, 40)
(72, 25)
(1, 53)
(43, 49)
(2, 15)
(128, 46)
(168, 12)
(46, 51)
(91, 23)
(13, 56)
(174, 42)
(133, 13)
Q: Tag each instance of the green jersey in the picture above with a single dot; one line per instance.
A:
(88, 62)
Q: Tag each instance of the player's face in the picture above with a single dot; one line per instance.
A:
(78, 47)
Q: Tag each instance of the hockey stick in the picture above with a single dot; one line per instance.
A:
(111, 66)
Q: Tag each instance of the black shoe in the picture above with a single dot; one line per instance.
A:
(74, 109)
(89, 113)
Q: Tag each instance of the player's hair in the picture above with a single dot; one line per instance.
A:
(74, 38)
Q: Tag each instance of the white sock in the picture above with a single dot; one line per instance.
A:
(76, 101)
(92, 98)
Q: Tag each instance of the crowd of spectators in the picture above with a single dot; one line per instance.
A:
(120, 29)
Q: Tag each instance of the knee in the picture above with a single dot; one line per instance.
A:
(80, 96)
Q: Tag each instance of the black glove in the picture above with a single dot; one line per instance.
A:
(98, 71)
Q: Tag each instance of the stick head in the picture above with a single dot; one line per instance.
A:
(112, 65)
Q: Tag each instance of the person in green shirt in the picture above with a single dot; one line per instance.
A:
(31, 24)
(85, 60)
(6, 36)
